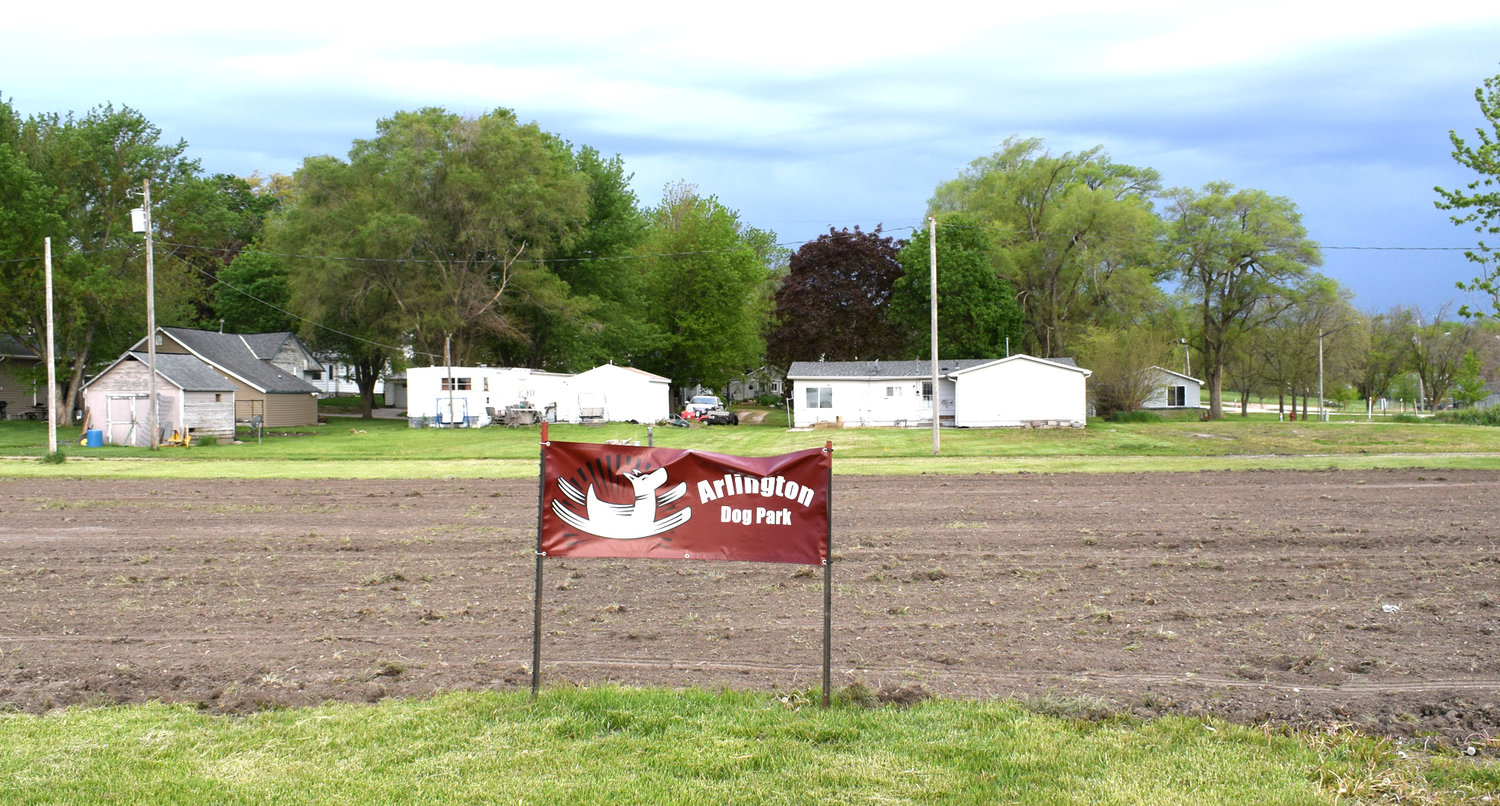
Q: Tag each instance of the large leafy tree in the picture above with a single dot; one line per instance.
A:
(1477, 204)
(71, 177)
(708, 279)
(977, 311)
(452, 219)
(1238, 254)
(834, 301)
(596, 312)
(1073, 233)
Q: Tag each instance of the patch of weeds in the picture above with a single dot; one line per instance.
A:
(1083, 707)
(805, 572)
(382, 579)
(933, 575)
(386, 668)
(54, 458)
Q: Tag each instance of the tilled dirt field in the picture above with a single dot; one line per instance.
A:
(1362, 598)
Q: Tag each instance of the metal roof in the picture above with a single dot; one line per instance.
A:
(900, 369)
(187, 372)
(232, 353)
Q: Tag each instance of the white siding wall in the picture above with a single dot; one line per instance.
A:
(1158, 398)
(627, 394)
(867, 401)
(1018, 392)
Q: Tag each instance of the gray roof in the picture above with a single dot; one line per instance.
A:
(187, 372)
(232, 353)
(879, 369)
(10, 346)
(895, 369)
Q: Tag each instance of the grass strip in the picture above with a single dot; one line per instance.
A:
(616, 745)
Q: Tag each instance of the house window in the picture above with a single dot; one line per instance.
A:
(1176, 395)
(820, 397)
(218, 397)
(315, 374)
(893, 391)
(926, 391)
(776, 387)
(458, 384)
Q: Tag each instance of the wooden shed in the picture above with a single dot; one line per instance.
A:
(261, 388)
(191, 398)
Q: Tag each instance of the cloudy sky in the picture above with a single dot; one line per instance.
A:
(806, 116)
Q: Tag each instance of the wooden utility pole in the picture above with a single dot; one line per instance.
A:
(932, 261)
(51, 358)
(155, 416)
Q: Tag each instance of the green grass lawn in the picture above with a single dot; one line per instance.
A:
(608, 745)
(390, 449)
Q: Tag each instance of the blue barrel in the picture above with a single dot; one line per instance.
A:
(94, 438)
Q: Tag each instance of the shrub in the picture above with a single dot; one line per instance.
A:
(772, 400)
(1135, 417)
(1489, 416)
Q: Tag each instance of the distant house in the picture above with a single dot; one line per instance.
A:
(273, 391)
(20, 394)
(191, 398)
(1017, 391)
(1174, 390)
(755, 383)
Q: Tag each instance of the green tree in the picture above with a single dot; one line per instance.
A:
(73, 176)
(1074, 234)
(1123, 363)
(977, 310)
(597, 313)
(453, 218)
(1478, 203)
(1387, 341)
(1469, 387)
(1437, 354)
(1237, 254)
(707, 281)
(251, 295)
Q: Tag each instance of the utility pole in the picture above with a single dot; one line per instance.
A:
(1322, 415)
(151, 322)
(932, 261)
(51, 358)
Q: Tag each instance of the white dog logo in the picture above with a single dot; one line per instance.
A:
(624, 521)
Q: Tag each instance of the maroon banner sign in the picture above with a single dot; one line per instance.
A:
(626, 501)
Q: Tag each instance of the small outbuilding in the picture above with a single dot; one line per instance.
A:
(191, 398)
(1174, 391)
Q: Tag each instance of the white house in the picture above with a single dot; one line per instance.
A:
(1174, 390)
(977, 392)
(478, 395)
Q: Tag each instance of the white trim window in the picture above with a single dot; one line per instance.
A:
(892, 391)
(820, 397)
(1177, 396)
(926, 391)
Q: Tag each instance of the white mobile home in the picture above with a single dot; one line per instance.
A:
(476, 396)
(981, 392)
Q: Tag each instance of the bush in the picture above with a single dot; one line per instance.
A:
(1407, 418)
(1134, 417)
(771, 400)
(1489, 416)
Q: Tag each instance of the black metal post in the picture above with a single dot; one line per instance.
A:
(536, 600)
(828, 585)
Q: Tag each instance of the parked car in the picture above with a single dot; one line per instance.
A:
(702, 404)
